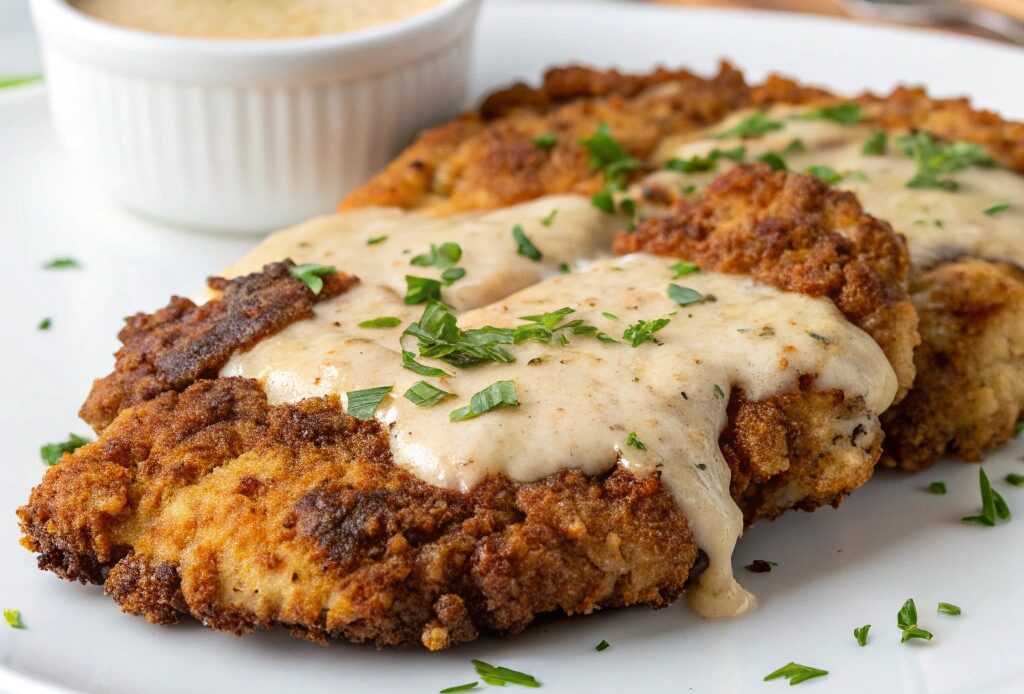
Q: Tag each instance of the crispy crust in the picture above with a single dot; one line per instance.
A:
(214, 504)
(183, 342)
(970, 387)
(794, 232)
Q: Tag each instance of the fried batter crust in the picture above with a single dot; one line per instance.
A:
(970, 387)
(183, 342)
(215, 504)
(794, 232)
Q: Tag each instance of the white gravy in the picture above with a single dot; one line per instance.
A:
(578, 402)
(937, 223)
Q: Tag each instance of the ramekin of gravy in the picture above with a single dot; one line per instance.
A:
(247, 115)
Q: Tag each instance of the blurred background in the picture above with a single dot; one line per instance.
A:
(999, 20)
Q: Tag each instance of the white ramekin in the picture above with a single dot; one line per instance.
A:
(247, 136)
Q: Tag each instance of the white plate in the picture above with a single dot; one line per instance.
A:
(837, 569)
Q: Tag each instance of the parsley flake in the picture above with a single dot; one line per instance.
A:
(682, 269)
(440, 337)
(564, 268)
(844, 114)
(1018, 428)
(62, 264)
(1015, 479)
(422, 394)
(684, 296)
(996, 209)
(495, 396)
(373, 241)
(500, 676)
(19, 81)
(796, 673)
(311, 275)
(460, 688)
(445, 255)
(774, 161)
(452, 274)
(950, 609)
(45, 324)
(51, 453)
(906, 620)
(363, 403)
(602, 646)
(13, 619)
(421, 289)
(698, 164)
(381, 322)
(993, 505)
(876, 144)
(825, 173)
(935, 159)
(524, 246)
(636, 443)
(607, 156)
(937, 488)
(643, 331)
(755, 125)
(861, 634)
(409, 362)
(609, 315)
(545, 141)
(550, 218)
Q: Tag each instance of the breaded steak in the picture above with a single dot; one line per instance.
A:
(489, 159)
(202, 497)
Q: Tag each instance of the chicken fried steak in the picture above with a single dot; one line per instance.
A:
(650, 415)
(923, 164)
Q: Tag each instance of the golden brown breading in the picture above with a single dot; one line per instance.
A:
(970, 384)
(214, 504)
(488, 160)
(794, 232)
(183, 342)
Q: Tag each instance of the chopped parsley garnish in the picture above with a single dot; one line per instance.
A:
(409, 362)
(452, 274)
(937, 488)
(381, 322)
(760, 566)
(609, 315)
(13, 619)
(550, 218)
(19, 81)
(861, 634)
(421, 289)
(825, 173)
(51, 453)
(62, 264)
(844, 114)
(495, 396)
(500, 676)
(363, 403)
(682, 269)
(564, 268)
(376, 239)
(545, 141)
(602, 646)
(906, 620)
(996, 209)
(549, 327)
(445, 255)
(1015, 479)
(934, 159)
(876, 144)
(993, 505)
(697, 163)
(310, 274)
(524, 246)
(632, 440)
(643, 331)
(607, 156)
(460, 688)
(684, 296)
(774, 161)
(1018, 428)
(719, 393)
(440, 337)
(796, 673)
(950, 609)
(755, 125)
(422, 394)
(45, 324)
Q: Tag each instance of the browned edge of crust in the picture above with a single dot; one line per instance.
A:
(183, 342)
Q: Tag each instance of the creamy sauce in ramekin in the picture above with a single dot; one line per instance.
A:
(250, 19)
